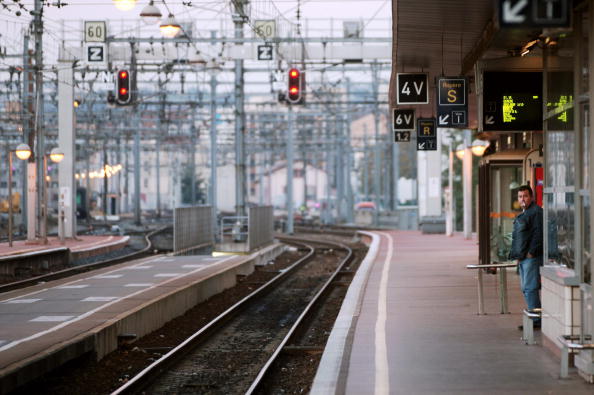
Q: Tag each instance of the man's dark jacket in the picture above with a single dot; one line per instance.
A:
(527, 235)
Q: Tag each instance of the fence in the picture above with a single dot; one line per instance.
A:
(192, 227)
(260, 226)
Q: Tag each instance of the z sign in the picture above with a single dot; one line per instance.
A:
(265, 52)
(412, 88)
(95, 53)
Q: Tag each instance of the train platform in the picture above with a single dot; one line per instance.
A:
(80, 244)
(44, 326)
(409, 325)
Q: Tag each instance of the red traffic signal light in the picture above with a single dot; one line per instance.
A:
(294, 86)
(123, 87)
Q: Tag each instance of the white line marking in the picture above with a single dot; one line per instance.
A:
(138, 285)
(142, 261)
(167, 274)
(382, 378)
(108, 276)
(79, 286)
(192, 266)
(99, 299)
(88, 313)
(3, 342)
(19, 301)
(168, 260)
(50, 318)
(140, 267)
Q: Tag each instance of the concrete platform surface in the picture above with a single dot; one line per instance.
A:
(416, 329)
(83, 243)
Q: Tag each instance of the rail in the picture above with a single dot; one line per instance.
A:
(139, 382)
(318, 297)
(502, 285)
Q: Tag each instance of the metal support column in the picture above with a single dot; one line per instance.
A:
(137, 219)
(213, 148)
(66, 142)
(39, 119)
(376, 152)
(467, 184)
(238, 20)
(290, 170)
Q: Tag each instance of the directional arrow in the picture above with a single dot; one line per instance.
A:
(490, 120)
(421, 146)
(512, 14)
(443, 119)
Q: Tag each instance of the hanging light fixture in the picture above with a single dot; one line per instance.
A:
(150, 14)
(169, 27)
(23, 151)
(56, 155)
(479, 147)
(124, 5)
(460, 152)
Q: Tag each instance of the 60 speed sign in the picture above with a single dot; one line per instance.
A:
(403, 120)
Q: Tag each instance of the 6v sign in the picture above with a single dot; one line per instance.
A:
(412, 88)
(403, 120)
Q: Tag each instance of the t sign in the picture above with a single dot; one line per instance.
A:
(412, 88)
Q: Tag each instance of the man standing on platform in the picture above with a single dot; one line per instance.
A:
(527, 240)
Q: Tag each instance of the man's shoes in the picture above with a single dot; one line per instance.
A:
(536, 326)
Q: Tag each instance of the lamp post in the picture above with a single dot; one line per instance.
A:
(56, 155)
(23, 152)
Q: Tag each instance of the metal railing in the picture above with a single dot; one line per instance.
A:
(234, 229)
(260, 226)
(502, 285)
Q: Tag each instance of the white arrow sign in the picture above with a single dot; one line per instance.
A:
(443, 119)
(513, 13)
(421, 145)
(490, 120)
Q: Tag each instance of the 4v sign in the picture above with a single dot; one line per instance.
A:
(412, 88)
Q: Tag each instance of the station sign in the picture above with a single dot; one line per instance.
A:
(560, 101)
(452, 102)
(265, 28)
(413, 88)
(95, 31)
(403, 119)
(402, 137)
(426, 134)
(95, 54)
(265, 52)
(534, 13)
(512, 101)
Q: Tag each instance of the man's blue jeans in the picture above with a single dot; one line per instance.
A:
(530, 281)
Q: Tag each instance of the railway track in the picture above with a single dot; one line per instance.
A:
(85, 268)
(234, 352)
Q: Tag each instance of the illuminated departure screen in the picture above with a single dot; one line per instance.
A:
(560, 101)
(512, 101)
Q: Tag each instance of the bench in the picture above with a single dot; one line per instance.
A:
(571, 343)
(502, 284)
(528, 324)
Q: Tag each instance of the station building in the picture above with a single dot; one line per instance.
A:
(527, 65)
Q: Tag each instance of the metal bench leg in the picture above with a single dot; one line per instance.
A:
(481, 302)
(527, 330)
(564, 362)
(503, 290)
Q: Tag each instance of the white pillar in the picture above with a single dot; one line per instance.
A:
(467, 184)
(66, 139)
(429, 182)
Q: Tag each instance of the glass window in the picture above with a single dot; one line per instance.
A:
(561, 228)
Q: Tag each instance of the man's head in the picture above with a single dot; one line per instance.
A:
(525, 196)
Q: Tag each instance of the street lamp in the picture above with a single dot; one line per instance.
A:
(23, 152)
(150, 14)
(124, 5)
(479, 147)
(169, 27)
(460, 152)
